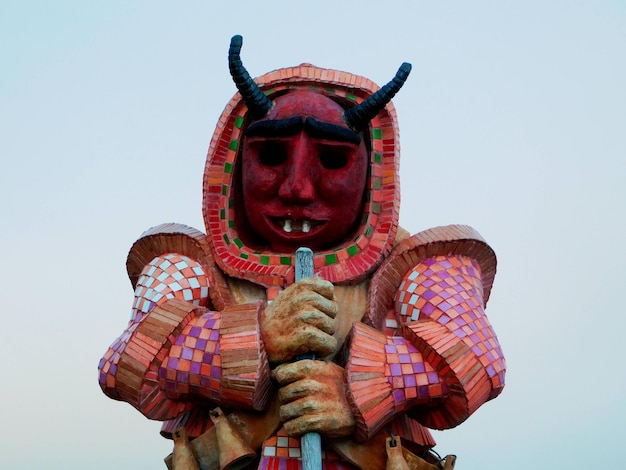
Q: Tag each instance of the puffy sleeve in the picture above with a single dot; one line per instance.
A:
(177, 346)
(429, 349)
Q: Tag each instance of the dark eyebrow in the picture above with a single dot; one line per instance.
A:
(325, 130)
(275, 127)
(291, 126)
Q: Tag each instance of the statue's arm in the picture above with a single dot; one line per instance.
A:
(444, 364)
(176, 349)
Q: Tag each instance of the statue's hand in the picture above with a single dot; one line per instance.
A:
(313, 399)
(300, 320)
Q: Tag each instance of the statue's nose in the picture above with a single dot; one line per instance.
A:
(298, 187)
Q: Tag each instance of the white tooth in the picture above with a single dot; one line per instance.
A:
(306, 226)
(287, 226)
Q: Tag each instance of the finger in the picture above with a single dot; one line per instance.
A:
(298, 408)
(317, 319)
(298, 390)
(318, 342)
(319, 285)
(303, 424)
(314, 299)
(309, 339)
(291, 372)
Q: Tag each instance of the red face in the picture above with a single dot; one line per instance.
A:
(303, 174)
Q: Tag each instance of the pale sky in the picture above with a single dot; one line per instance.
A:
(512, 121)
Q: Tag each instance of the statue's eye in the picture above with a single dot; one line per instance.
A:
(333, 159)
(272, 154)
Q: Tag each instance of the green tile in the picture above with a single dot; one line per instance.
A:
(353, 250)
(286, 260)
(228, 167)
(238, 242)
(377, 133)
(331, 259)
(264, 259)
(239, 122)
(233, 144)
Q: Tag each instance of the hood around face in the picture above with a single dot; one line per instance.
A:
(347, 263)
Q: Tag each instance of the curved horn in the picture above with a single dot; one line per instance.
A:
(358, 116)
(258, 104)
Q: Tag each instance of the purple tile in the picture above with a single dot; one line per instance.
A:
(398, 395)
(428, 309)
(409, 381)
(187, 353)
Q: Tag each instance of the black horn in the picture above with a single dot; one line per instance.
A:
(358, 116)
(258, 104)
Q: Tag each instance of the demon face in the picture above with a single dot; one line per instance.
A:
(303, 174)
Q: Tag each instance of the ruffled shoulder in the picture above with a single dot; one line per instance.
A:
(184, 240)
(451, 240)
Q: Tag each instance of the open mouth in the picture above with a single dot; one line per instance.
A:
(296, 225)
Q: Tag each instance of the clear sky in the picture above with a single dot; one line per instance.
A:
(513, 121)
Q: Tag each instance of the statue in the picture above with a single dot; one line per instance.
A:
(221, 338)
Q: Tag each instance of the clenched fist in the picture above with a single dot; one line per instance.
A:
(300, 320)
(313, 399)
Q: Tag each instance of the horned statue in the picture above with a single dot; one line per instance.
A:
(305, 328)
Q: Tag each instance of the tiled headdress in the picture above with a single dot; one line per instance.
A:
(372, 111)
